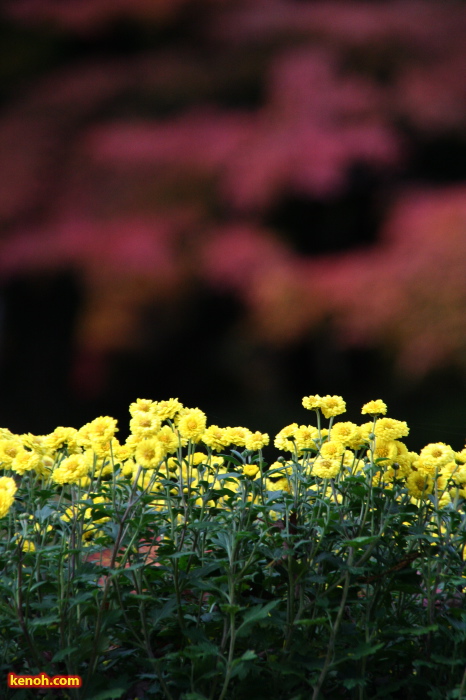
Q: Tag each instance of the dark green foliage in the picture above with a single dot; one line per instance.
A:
(272, 595)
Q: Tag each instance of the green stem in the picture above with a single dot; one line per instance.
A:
(334, 632)
(231, 652)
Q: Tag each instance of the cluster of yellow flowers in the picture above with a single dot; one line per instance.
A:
(7, 494)
(437, 468)
(165, 436)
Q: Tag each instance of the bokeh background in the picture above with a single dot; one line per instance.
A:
(236, 203)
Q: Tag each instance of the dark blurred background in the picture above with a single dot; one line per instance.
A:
(236, 203)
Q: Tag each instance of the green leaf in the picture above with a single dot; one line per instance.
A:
(416, 631)
(258, 612)
(43, 513)
(38, 585)
(311, 623)
(5, 609)
(204, 570)
(63, 653)
(360, 541)
(203, 525)
(163, 612)
(47, 620)
(230, 609)
(179, 555)
(365, 649)
(249, 655)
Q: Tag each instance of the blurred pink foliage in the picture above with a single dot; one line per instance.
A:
(131, 199)
(90, 15)
(409, 292)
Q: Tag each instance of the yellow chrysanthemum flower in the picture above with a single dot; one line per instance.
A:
(364, 431)
(215, 438)
(444, 500)
(83, 437)
(25, 461)
(36, 443)
(168, 438)
(38, 526)
(200, 458)
(425, 468)
(121, 453)
(458, 492)
(132, 441)
(9, 448)
(386, 450)
(102, 429)
(158, 504)
(332, 450)
(286, 468)
(347, 433)
(441, 482)
(191, 424)
(185, 472)
(237, 436)
(71, 469)
(142, 406)
(284, 440)
(256, 441)
(435, 455)
(70, 513)
(45, 466)
(401, 448)
(348, 459)
(326, 468)
(6, 434)
(250, 470)
(149, 453)
(217, 462)
(145, 424)
(8, 489)
(97, 433)
(127, 468)
(281, 485)
(167, 410)
(375, 408)
(384, 478)
(28, 546)
(455, 472)
(149, 480)
(88, 512)
(312, 403)
(62, 437)
(332, 406)
(305, 437)
(104, 466)
(391, 429)
(420, 484)
(403, 459)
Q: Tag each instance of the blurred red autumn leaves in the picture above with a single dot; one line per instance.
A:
(154, 170)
